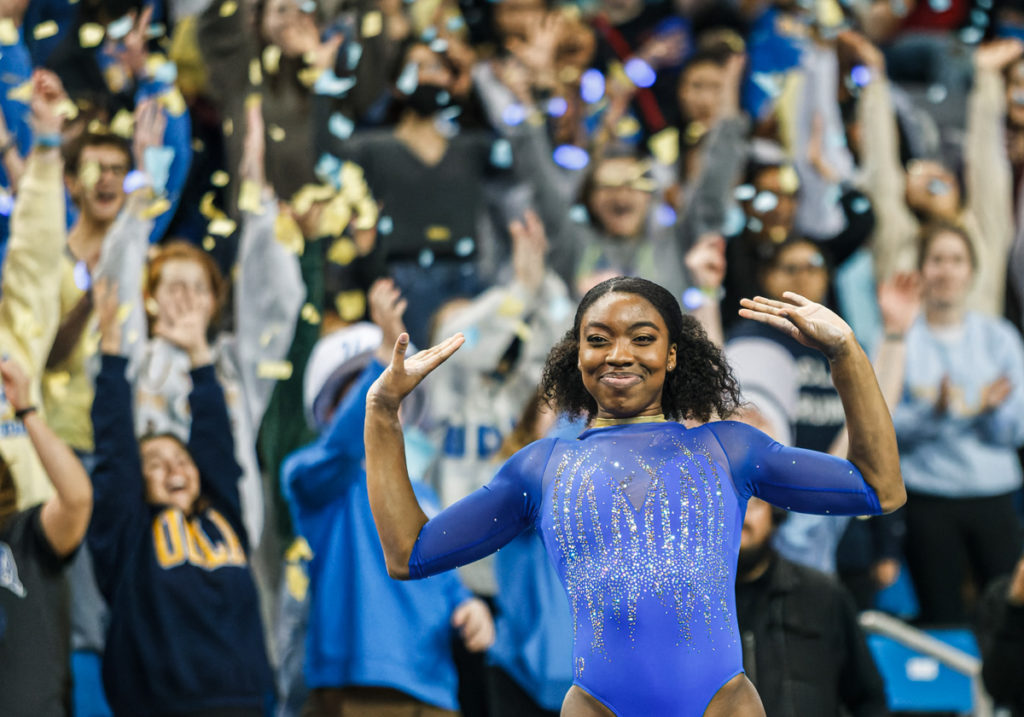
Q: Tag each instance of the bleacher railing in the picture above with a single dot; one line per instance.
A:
(912, 638)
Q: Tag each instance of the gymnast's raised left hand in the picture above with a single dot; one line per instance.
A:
(808, 322)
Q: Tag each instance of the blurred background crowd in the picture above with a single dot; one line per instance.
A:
(216, 217)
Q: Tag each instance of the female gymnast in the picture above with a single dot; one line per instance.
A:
(640, 515)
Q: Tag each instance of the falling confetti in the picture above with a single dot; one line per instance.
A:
(372, 25)
(228, 8)
(91, 34)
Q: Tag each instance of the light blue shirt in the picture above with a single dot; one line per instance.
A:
(963, 452)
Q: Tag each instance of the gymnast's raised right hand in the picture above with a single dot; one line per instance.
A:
(404, 374)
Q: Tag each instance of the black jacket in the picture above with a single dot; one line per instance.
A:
(1001, 639)
(802, 646)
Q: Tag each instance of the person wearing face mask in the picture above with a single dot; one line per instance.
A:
(959, 423)
(169, 546)
(429, 183)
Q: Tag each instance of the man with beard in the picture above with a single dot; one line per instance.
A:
(802, 646)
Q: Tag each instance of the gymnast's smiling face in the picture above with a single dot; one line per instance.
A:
(625, 355)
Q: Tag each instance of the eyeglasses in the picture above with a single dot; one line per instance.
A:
(811, 267)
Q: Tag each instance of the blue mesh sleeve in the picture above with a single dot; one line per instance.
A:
(793, 478)
(487, 518)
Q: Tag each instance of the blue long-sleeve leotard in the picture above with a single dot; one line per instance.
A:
(642, 523)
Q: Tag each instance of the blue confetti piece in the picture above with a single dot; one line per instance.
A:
(979, 18)
(353, 53)
(448, 114)
(429, 34)
(937, 93)
(940, 5)
(860, 75)
(439, 46)
(6, 204)
(513, 115)
(641, 74)
(734, 222)
(560, 308)
(464, 246)
(579, 214)
(570, 156)
(166, 73)
(665, 215)
(860, 205)
(331, 85)
(501, 154)
(754, 224)
(971, 35)
(409, 80)
(455, 23)
(328, 168)
(340, 125)
(744, 192)
(592, 86)
(134, 180)
(385, 225)
(119, 28)
(557, 106)
(768, 82)
(443, 98)
(83, 280)
(472, 335)
(308, 7)
(426, 258)
(693, 298)
(157, 163)
(765, 202)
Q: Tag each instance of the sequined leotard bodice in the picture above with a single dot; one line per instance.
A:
(643, 525)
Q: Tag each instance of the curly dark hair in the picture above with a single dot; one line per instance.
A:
(700, 387)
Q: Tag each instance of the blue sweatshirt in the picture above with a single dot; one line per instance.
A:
(365, 628)
(963, 452)
(185, 632)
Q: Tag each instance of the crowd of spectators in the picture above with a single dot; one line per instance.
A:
(217, 216)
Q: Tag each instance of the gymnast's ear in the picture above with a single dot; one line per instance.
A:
(670, 365)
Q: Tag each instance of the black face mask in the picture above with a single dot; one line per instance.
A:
(428, 99)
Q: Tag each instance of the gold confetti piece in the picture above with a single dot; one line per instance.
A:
(198, 145)
(308, 195)
(229, 127)
(220, 178)
(271, 58)
(228, 8)
(350, 305)
(334, 218)
(116, 78)
(97, 126)
(297, 581)
(222, 227)
(255, 73)
(366, 214)
(173, 101)
(21, 93)
(665, 146)
(253, 99)
(309, 314)
(778, 234)
(523, 331)
(249, 197)
(67, 109)
(44, 30)
(342, 252)
(276, 132)
(8, 32)
(627, 126)
(277, 370)
(123, 311)
(132, 337)
(789, 182)
(152, 308)
(91, 34)
(309, 75)
(207, 208)
(373, 24)
(89, 174)
(157, 208)
(694, 132)
(123, 124)
(298, 551)
(267, 336)
(437, 232)
(287, 231)
(209, 243)
(511, 306)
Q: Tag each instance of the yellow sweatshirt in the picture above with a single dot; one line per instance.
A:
(30, 306)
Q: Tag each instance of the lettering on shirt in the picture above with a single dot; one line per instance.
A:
(178, 540)
(11, 428)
